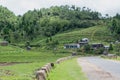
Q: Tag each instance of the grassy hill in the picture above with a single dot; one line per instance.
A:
(95, 34)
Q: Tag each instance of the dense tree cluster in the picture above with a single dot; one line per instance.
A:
(7, 23)
(115, 26)
(45, 22)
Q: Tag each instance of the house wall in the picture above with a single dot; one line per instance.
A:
(72, 46)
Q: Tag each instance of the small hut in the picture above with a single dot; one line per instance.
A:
(84, 41)
(97, 45)
(4, 43)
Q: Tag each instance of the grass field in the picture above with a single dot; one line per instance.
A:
(95, 34)
(25, 62)
(68, 70)
(118, 58)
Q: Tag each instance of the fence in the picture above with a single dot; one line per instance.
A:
(44, 71)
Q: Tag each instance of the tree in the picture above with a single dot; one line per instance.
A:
(47, 40)
(115, 28)
(117, 49)
(7, 23)
(111, 47)
(87, 48)
(45, 22)
(27, 44)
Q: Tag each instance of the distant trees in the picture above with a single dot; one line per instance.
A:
(115, 26)
(44, 22)
(117, 49)
(7, 24)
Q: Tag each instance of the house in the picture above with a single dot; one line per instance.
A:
(84, 41)
(71, 46)
(97, 45)
(3, 43)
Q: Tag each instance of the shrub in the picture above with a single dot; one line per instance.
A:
(87, 48)
(99, 51)
(111, 47)
(27, 44)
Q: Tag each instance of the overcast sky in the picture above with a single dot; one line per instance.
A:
(110, 7)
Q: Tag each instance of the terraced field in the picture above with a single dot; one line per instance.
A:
(19, 64)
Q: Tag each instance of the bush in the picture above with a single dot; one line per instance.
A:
(99, 51)
(87, 48)
(111, 47)
(27, 44)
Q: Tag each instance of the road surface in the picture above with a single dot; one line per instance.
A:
(97, 68)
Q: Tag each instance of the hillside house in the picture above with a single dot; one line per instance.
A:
(97, 45)
(71, 46)
(84, 41)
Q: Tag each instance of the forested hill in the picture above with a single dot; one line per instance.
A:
(45, 22)
(7, 22)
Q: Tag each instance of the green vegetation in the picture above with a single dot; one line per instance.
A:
(95, 34)
(117, 49)
(68, 70)
(118, 58)
(45, 22)
(46, 30)
(20, 71)
(20, 64)
(114, 26)
(111, 47)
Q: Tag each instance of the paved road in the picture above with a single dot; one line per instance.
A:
(97, 68)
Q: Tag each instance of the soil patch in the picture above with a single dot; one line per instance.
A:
(11, 63)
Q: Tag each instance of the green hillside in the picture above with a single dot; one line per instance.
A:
(95, 34)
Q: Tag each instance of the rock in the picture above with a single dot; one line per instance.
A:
(41, 75)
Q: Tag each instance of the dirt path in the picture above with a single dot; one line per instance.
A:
(94, 72)
(11, 63)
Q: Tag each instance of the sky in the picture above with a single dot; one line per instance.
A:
(19, 7)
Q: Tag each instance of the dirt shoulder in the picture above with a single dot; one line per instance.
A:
(94, 72)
